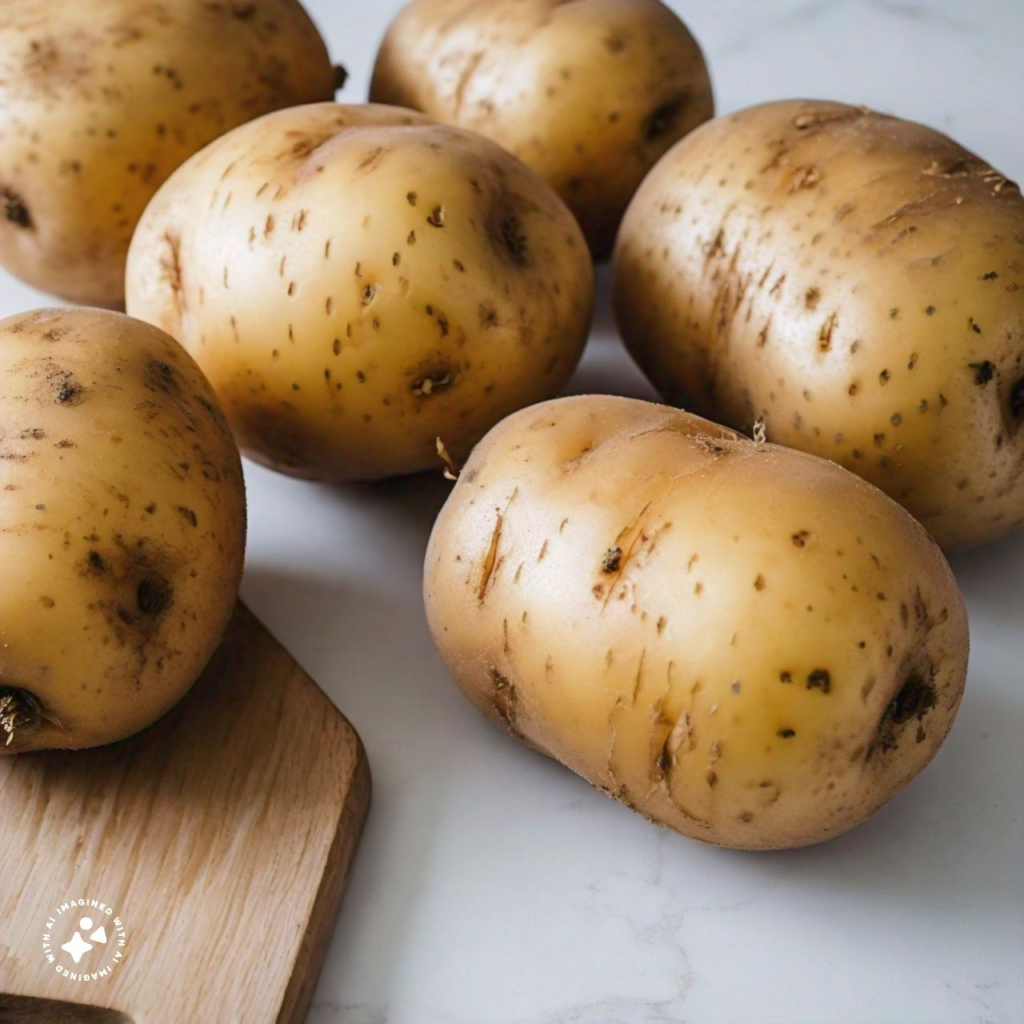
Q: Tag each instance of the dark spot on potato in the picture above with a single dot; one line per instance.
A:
(785, 677)
(411, 198)
(513, 240)
(1017, 399)
(800, 538)
(188, 515)
(983, 372)
(611, 560)
(915, 698)
(66, 389)
(819, 679)
(504, 699)
(929, 310)
(14, 208)
(664, 117)
(153, 595)
(96, 562)
(436, 218)
(786, 734)
(160, 377)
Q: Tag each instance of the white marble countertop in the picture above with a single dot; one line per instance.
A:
(495, 887)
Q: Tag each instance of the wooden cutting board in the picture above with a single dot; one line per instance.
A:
(220, 839)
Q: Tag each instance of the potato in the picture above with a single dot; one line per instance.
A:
(101, 99)
(122, 527)
(357, 282)
(742, 642)
(589, 94)
(852, 280)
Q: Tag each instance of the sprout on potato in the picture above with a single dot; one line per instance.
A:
(854, 281)
(122, 527)
(742, 642)
(357, 282)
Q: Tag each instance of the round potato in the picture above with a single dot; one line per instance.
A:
(742, 642)
(101, 99)
(122, 527)
(358, 282)
(854, 281)
(589, 94)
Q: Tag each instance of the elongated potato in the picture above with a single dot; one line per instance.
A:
(856, 282)
(122, 527)
(357, 282)
(742, 642)
(100, 100)
(589, 94)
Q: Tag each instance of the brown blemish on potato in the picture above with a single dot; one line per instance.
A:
(437, 217)
(826, 332)
(805, 177)
(66, 390)
(15, 210)
(159, 377)
(154, 595)
(188, 515)
(812, 297)
(983, 371)
(504, 700)
(490, 559)
(507, 231)
(800, 538)
(1017, 399)
(611, 560)
(819, 679)
(915, 698)
(665, 116)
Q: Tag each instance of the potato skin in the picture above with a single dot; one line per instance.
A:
(853, 280)
(741, 642)
(122, 525)
(100, 100)
(589, 94)
(449, 288)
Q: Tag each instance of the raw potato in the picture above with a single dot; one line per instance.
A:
(100, 100)
(854, 281)
(742, 642)
(357, 282)
(122, 527)
(589, 94)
